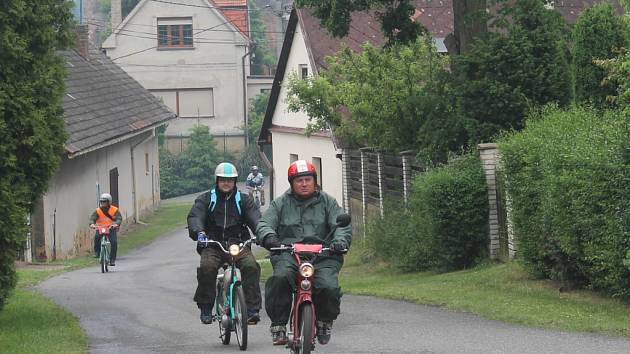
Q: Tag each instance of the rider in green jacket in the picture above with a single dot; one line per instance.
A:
(303, 214)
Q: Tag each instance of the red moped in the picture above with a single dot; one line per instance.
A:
(302, 330)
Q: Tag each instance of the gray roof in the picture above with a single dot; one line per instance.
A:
(104, 105)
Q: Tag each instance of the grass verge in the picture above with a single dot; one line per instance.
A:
(31, 323)
(496, 291)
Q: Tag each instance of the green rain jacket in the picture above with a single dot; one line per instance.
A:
(308, 221)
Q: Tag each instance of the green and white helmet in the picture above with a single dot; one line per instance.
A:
(226, 169)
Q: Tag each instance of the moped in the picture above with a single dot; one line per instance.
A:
(302, 320)
(106, 246)
(230, 305)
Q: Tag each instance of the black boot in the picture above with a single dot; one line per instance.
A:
(324, 329)
(206, 313)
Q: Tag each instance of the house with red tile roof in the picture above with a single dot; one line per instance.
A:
(195, 56)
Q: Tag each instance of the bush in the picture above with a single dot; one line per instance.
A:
(445, 227)
(507, 72)
(192, 170)
(568, 177)
(597, 34)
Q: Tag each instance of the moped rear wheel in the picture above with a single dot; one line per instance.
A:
(240, 317)
(306, 330)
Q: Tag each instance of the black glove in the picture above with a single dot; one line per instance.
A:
(339, 245)
(271, 241)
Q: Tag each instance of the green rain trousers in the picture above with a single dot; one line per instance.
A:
(280, 286)
(211, 260)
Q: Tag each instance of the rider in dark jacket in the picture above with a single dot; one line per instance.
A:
(220, 219)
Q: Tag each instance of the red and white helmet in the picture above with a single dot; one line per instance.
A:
(301, 168)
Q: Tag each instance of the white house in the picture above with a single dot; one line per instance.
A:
(282, 137)
(306, 44)
(112, 147)
(194, 55)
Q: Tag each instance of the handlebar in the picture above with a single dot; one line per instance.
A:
(283, 248)
(240, 245)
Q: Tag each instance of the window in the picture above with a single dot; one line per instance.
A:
(293, 158)
(317, 161)
(146, 163)
(303, 71)
(188, 103)
(175, 32)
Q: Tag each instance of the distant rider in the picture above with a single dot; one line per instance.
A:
(106, 214)
(256, 179)
(216, 216)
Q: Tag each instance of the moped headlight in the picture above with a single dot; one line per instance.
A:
(306, 270)
(235, 250)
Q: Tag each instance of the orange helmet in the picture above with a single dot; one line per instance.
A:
(301, 168)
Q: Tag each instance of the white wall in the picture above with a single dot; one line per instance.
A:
(73, 191)
(306, 148)
(297, 57)
(214, 62)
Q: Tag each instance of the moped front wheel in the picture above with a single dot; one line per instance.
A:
(240, 317)
(306, 329)
(104, 260)
(220, 302)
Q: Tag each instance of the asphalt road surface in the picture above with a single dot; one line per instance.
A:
(144, 305)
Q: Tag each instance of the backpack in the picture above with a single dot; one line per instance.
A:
(213, 201)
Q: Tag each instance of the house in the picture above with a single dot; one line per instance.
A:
(192, 54)
(306, 44)
(112, 147)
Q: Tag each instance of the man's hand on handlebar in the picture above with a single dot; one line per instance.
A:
(201, 240)
(271, 241)
(339, 246)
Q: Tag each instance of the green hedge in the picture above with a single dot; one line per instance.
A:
(568, 177)
(446, 224)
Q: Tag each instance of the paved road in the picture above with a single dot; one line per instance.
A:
(145, 306)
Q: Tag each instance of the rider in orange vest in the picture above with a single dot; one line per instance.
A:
(106, 214)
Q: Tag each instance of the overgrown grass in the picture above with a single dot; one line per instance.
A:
(502, 292)
(31, 323)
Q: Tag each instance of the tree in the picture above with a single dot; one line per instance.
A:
(506, 74)
(597, 34)
(394, 16)
(384, 98)
(262, 57)
(251, 155)
(192, 170)
(31, 114)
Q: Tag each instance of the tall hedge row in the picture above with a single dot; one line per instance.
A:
(568, 176)
(31, 117)
(445, 226)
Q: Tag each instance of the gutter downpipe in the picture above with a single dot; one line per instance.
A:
(248, 52)
(133, 176)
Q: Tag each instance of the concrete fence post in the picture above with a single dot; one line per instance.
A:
(379, 164)
(345, 186)
(406, 173)
(364, 176)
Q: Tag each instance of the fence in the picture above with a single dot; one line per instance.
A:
(372, 177)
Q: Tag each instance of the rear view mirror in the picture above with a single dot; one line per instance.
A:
(343, 220)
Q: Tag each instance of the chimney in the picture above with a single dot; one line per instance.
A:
(82, 40)
(116, 13)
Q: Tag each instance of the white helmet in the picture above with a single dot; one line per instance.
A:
(225, 169)
(105, 197)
